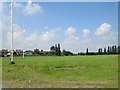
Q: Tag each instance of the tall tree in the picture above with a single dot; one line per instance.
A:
(104, 50)
(108, 50)
(36, 51)
(118, 49)
(99, 51)
(59, 51)
(56, 50)
(87, 51)
(115, 49)
(52, 48)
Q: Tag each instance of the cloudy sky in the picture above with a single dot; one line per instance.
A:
(76, 26)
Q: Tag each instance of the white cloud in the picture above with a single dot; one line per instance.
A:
(29, 2)
(71, 43)
(0, 25)
(70, 31)
(16, 4)
(86, 32)
(32, 9)
(86, 41)
(42, 41)
(1, 5)
(74, 43)
(109, 38)
(23, 39)
(103, 46)
(0, 34)
(105, 35)
(103, 29)
(48, 36)
(1, 9)
(18, 34)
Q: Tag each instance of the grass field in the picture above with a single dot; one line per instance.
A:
(99, 71)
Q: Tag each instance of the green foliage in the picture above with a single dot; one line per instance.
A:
(118, 49)
(52, 49)
(67, 53)
(36, 51)
(51, 54)
(105, 51)
(87, 51)
(56, 50)
(59, 51)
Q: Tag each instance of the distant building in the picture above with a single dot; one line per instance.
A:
(43, 52)
(4, 52)
(18, 52)
(28, 52)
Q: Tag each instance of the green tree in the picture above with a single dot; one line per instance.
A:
(56, 50)
(115, 49)
(99, 51)
(104, 50)
(87, 51)
(36, 51)
(118, 49)
(52, 48)
(52, 51)
(59, 51)
(108, 50)
(67, 53)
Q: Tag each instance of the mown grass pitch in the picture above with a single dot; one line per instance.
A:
(99, 71)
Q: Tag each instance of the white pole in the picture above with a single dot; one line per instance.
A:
(12, 32)
(23, 53)
(23, 42)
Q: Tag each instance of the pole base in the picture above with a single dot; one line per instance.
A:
(12, 62)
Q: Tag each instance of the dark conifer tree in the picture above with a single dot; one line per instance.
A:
(108, 50)
(115, 49)
(118, 49)
(99, 51)
(59, 51)
(87, 51)
(56, 50)
(104, 50)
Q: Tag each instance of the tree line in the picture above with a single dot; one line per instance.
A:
(56, 51)
(110, 50)
(103, 51)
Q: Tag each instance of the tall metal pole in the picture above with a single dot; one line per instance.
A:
(23, 42)
(12, 59)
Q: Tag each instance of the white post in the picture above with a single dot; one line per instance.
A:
(23, 53)
(23, 42)
(12, 32)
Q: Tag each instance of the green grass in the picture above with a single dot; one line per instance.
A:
(99, 71)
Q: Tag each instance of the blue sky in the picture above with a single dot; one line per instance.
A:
(75, 25)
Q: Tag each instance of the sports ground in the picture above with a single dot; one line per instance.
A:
(98, 71)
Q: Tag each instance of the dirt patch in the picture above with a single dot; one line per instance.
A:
(98, 82)
(79, 67)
